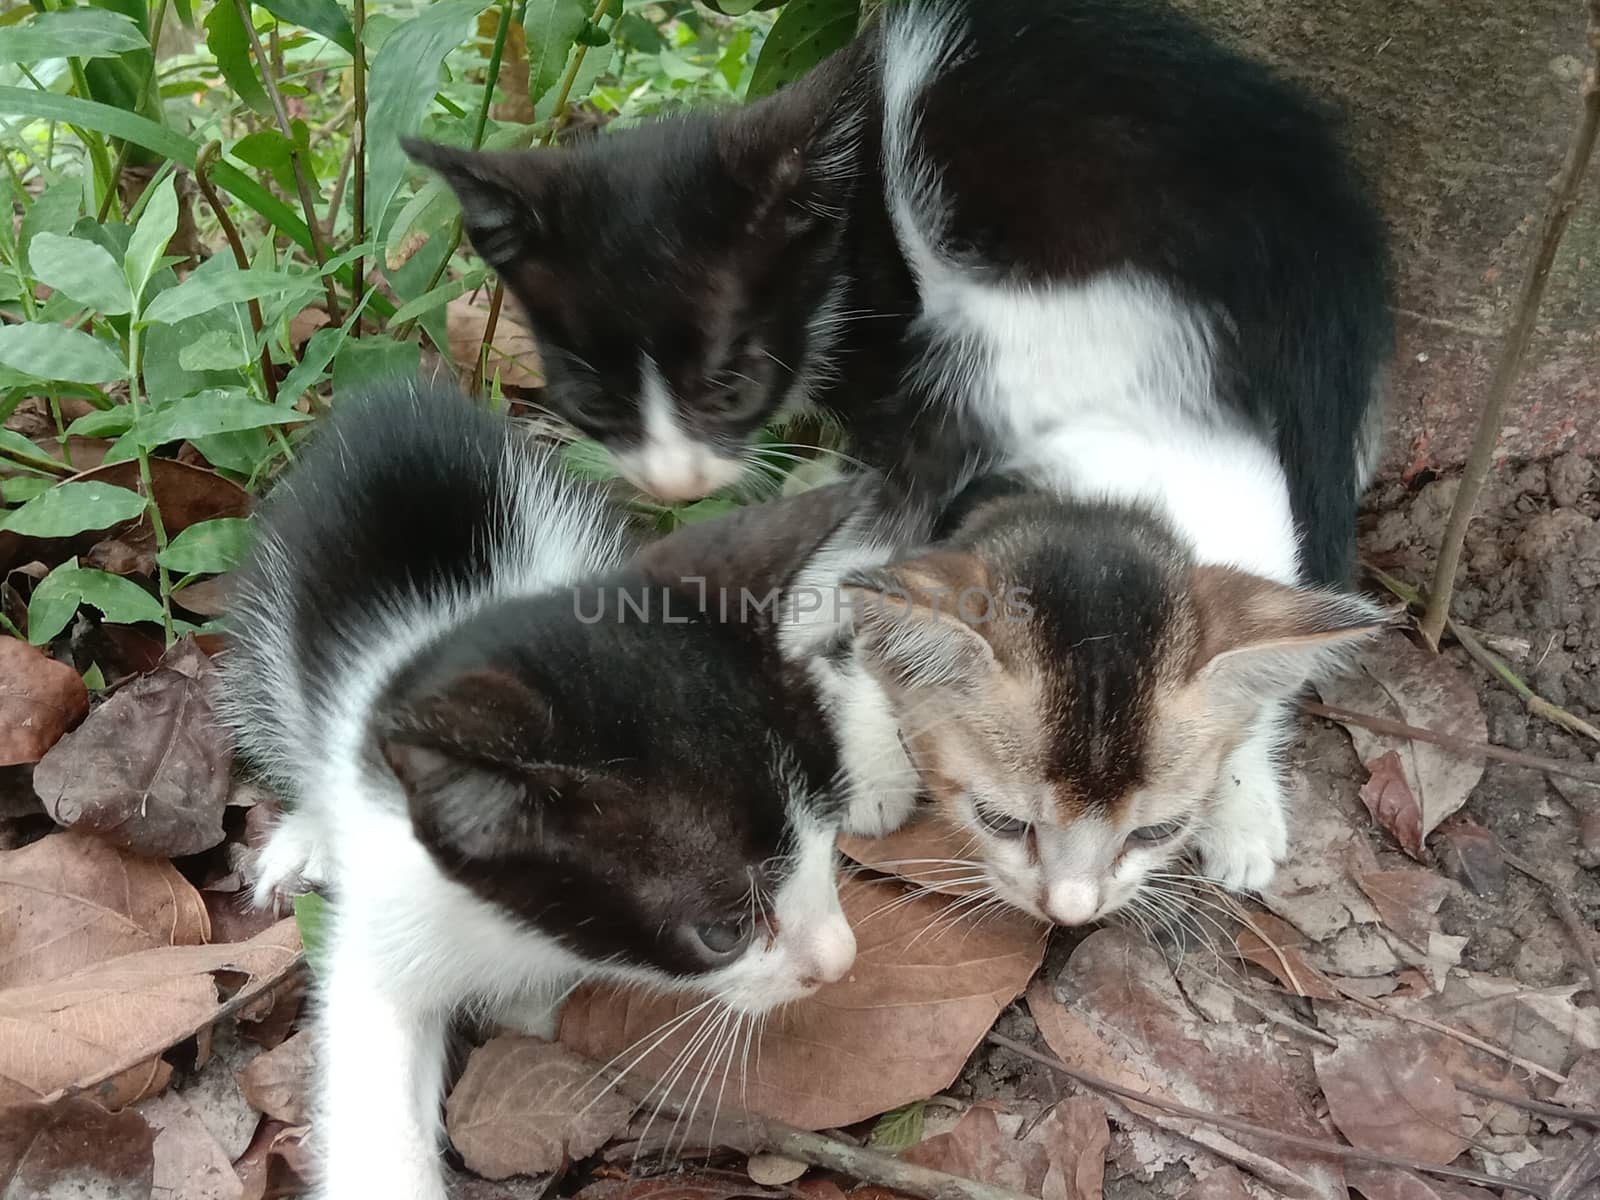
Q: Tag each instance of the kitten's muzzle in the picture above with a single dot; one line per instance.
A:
(828, 957)
(1071, 901)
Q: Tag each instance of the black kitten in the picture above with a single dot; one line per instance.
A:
(516, 763)
(975, 224)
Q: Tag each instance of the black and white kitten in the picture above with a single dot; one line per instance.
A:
(983, 224)
(515, 761)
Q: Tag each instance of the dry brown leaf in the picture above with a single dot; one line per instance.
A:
(74, 1148)
(59, 1034)
(149, 769)
(1401, 681)
(1388, 798)
(189, 1164)
(1544, 1025)
(1394, 1095)
(1224, 1183)
(513, 355)
(1385, 1183)
(1120, 1015)
(70, 900)
(1407, 901)
(1063, 1157)
(1279, 948)
(525, 1107)
(923, 992)
(1472, 856)
(40, 699)
(278, 1083)
(774, 1170)
(929, 851)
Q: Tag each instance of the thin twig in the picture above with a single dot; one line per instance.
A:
(1576, 929)
(1577, 1116)
(1459, 745)
(1234, 1125)
(236, 1003)
(1580, 1171)
(559, 116)
(1563, 201)
(297, 164)
(1491, 662)
(202, 177)
(359, 192)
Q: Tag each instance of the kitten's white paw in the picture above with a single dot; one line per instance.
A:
(294, 860)
(533, 1014)
(880, 810)
(1243, 860)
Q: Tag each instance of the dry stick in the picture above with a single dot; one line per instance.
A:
(358, 196)
(1577, 1116)
(235, 1003)
(1576, 929)
(1492, 662)
(559, 115)
(297, 165)
(202, 168)
(1459, 745)
(1559, 211)
(1233, 1124)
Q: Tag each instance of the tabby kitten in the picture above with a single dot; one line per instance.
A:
(510, 769)
(978, 219)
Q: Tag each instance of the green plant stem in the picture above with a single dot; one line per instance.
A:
(297, 165)
(202, 178)
(358, 24)
(37, 464)
(157, 526)
(559, 115)
(94, 145)
(479, 126)
(1563, 202)
(5, 623)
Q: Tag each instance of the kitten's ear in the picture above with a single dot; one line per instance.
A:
(1263, 640)
(499, 194)
(467, 757)
(918, 623)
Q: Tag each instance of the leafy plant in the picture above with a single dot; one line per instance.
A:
(219, 232)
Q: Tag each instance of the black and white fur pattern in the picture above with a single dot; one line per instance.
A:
(501, 798)
(956, 234)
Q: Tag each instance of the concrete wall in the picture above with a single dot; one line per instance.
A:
(1461, 111)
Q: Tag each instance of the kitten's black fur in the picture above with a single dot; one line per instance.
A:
(751, 252)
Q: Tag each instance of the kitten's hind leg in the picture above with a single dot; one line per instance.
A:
(1246, 833)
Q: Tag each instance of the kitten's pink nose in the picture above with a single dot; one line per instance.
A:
(1071, 901)
(830, 955)
(674, 487)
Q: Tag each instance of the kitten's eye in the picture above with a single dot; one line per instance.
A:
(723, 938)
(1154, 835)
(1000, 824)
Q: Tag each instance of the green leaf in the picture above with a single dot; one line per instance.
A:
(899, 1129)
(311, 915)
(314, 360)
(586, 459)
(705, 510)
(43, 351)
(319, 16)
(110, 422)
(400, 90)
(141, 131)
(229, 44)
(268, 150)
(805, 33)
(362, 362)
(70, 508)
(199, 294)
(83, 270)
(207, 413)
(215, 350)
(552, 27)
(20, 447)
(72, 32)
(208, 547)
(55, 211)
(58, 595)
(157, 224)
(19, 489)
(94, 678)
(439, 296)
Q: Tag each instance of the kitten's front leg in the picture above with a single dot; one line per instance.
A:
(1246, 834)
(881, 782)
(536, 1010)
(383, 1046)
